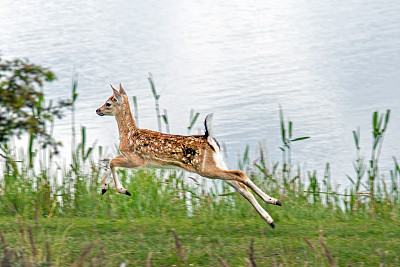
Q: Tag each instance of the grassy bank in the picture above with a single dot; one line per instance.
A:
(166, 241)
(54, 215)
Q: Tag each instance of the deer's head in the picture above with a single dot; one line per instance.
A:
(113, 104)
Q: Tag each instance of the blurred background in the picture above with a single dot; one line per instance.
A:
(330, 65)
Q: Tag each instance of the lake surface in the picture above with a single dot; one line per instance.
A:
(329, 64)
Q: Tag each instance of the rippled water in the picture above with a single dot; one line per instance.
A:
(330, 64)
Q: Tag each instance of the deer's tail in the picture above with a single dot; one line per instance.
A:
(208, 125)
(209, 134)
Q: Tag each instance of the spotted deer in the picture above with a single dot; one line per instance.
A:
(199, 154)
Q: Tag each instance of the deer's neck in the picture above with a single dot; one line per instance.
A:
(125, 121)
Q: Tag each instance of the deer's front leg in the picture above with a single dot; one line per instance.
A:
(104, 185)
(126, 161)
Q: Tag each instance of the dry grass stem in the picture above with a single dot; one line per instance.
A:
(223, 263)
(21, 229)
(179, 248)
(148, 260)
(85, 252)
(250, 252)
(100, 256)
(37, 216)
(48, 254)
(310, 244)
(3, 240)
(195, 181)
(325, 249)
(32, 241)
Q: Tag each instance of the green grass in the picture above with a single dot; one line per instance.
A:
(354, 240)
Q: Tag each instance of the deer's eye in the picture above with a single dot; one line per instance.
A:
(108, 105)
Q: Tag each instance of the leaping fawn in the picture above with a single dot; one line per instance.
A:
(200, 154)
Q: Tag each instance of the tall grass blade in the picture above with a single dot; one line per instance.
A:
(350, 179)
(30, 149)
(193, 121)
(136, 110)
(165, 118)
(156, 98)
(244, 160)
(290, 126)
(300, 138)
(74, 96)
(387, 118)
(283, 129)
(153, 86)
(356, 136)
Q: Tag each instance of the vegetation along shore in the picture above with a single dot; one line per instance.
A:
(55, 215)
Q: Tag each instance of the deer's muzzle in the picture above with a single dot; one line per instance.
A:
(99, 112)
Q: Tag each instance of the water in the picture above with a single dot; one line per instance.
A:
(330, 64)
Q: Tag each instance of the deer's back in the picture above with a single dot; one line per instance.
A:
(166, 149)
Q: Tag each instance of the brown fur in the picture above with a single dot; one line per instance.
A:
(195, 153)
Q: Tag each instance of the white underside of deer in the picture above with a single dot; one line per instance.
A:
(199, 154)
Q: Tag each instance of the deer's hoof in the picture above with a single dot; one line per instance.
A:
(127, 193)
(103, 191)
(272, 225)
(278, 203)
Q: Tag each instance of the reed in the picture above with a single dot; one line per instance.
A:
(192, 120)
(156, 100)
(52, 190)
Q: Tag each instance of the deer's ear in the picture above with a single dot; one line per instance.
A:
(117, 95)
(121, 90)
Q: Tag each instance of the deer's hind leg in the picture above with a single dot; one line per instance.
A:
(241, 188)
(126, 161)
(239, 176)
